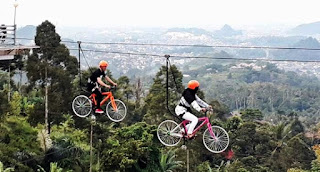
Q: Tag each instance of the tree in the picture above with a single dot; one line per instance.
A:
(251, 114)
(129, 148)
(15, 103)
(156, 100)
(51, 67)
(124, 84)
(19, 150)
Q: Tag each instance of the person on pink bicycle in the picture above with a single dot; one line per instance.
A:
(95, 81)
(188, 99)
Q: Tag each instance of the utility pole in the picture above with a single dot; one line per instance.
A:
(46, 101)
(187, 160)
(79, 49)
(9, 86)
(93, 122)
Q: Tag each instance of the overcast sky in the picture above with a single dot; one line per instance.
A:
(164, 13)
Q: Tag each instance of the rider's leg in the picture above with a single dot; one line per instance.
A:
(194, 121)
(98, 97)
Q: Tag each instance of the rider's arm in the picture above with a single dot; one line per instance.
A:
(201, 102)
(196, 106)
(109, 80)
(102, 83)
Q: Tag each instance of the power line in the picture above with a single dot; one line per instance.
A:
(200, 57)
(197, 57)
(192, 45)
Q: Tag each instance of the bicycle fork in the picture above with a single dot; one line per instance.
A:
(113, 103)
(211, 132)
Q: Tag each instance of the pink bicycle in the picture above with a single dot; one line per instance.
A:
(215, 138)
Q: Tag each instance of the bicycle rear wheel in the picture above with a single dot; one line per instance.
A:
(82, 106)
(168, 133)
(219, 142)
(118, 114)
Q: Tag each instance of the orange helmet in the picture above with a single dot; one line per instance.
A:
(193, 84)
(103, 63)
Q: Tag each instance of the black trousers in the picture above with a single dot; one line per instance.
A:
(98, 97)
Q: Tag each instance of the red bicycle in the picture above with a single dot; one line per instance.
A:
(116, 110)
(215, 138)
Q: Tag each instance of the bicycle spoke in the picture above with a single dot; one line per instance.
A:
(118, 114)
(218, 143)
(166, 133)
(81, 106)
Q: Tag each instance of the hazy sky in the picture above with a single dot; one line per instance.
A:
(172, 13)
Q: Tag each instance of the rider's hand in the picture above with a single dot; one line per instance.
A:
(115, 84)
(108, 86)
(203, 109)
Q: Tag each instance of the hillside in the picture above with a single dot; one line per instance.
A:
(306, 29)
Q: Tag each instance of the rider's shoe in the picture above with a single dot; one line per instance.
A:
(99, 111)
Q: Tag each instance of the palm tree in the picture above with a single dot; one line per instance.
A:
(167, 162)
(53, 168)
(2, 169)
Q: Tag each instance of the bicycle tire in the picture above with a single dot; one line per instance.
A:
(168, 133)
(116, 115)
(82, 106)
(217, 144)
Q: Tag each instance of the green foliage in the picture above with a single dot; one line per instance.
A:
(3, 169)
(52, 65)
(53, 168)
(126, 88)
(15, 103)
(296, 154)
(167, 161)
(18, 142)
(233, 123)
(69, 145)
(129, 146)
(315, 166)
(204, 167)
(251, 114)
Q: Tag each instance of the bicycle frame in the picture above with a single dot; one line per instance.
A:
(205, 121)
(108, 96)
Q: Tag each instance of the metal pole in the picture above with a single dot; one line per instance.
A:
(167, 80)
(46, 101)
(91, 133)
(14, 22)
(187, 160)
(93, 122)
(9, 84)
(79, 47)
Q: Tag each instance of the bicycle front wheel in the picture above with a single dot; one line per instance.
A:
(82, 106)
(218, 142)
(168, 133)
(118, 113)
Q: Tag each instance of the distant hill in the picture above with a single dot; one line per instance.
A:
(195, 31)
(227, 31)
(300, 54)
(307, 29)
(308, 43)
(28, 31)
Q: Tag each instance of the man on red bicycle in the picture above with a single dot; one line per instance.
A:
(188, 99)
(95, 82)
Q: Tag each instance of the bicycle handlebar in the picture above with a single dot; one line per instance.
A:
(113, 88)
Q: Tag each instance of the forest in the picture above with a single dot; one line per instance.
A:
(271, 116)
